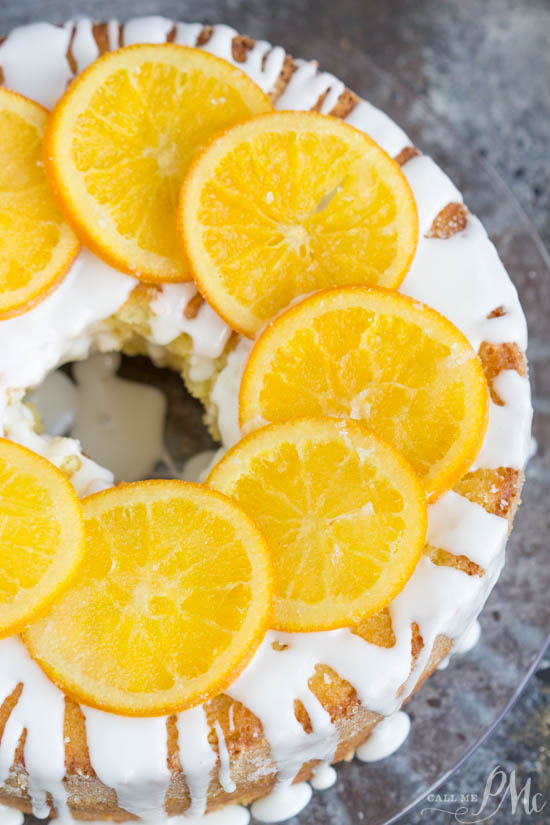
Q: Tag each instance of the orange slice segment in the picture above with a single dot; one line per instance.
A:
(172, 601)
(289, 203)
(378, 356)
(36, 245)
(121, 138)
(343, 513)
(41, 537)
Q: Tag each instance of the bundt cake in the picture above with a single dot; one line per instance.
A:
(306, 700)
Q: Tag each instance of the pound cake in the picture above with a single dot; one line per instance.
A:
(305, 699)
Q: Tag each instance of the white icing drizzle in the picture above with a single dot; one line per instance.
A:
(40, 711)
(282, 803)
(119, 422)
(224, 395)
(56, 399)
(469, 639)
(379, 126)
(508, 439)
(88, 478)
(230, 815)
(224, 773)
(44, 77)
(263, 62)
(355, 660)
(84, 48)
(197, 756)
(207, 331)
(387, 737)
(60, 327)
(432, 188)
(259, 689)
(220, 42)
(435, 588)
(452, 519)
(10, 816)
(131, 756)
(324, 777)
(462, 277)
(307, 85)
(463, 644)
(153, 29)
(113, 34)
(187, 33)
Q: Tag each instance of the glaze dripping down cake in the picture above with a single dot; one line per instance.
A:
(306, 699)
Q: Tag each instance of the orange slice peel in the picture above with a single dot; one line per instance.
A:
(344, 515)
(42, 537)
(288, 203)
(172, 600)
(116, 149)
(37, 245)
(380, 357)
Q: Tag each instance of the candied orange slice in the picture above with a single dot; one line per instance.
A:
(172, 601)
(121, 138)
(37, 246)
(42, 536)
(343, 513)
(378, 356)
(289, 203)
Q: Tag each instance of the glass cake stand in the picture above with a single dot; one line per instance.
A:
(458, 708)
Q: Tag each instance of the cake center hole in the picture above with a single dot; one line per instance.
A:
(135, 419)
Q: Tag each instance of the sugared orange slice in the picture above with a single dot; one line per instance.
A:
(172, 600)
(378, 356)
(41, 536)
(121, 138)
(289, 203)
(343, 513)
(37, 246)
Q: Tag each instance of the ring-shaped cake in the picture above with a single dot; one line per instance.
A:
(305, 700)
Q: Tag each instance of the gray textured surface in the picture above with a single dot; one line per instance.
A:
(484, 66)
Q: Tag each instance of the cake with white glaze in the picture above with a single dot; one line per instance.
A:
(305, 700)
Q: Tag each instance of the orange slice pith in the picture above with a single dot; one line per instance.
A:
(37, 246)
(172, 601)
(42, 536)
(117, 148)
(343, 513)
(383, 358)
(289, 203)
